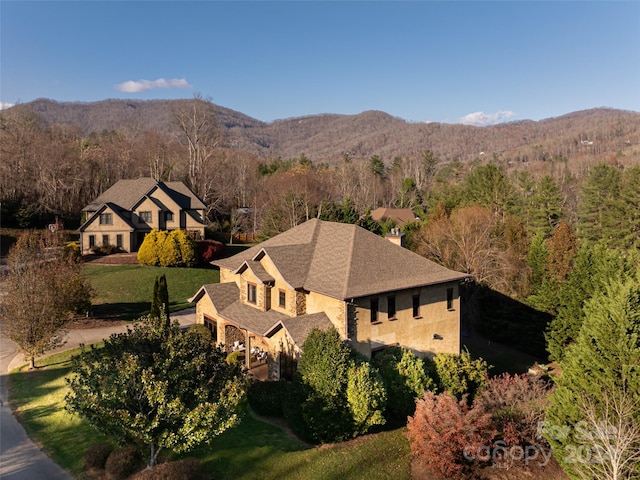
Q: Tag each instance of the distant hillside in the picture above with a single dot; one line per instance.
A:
(328, 137)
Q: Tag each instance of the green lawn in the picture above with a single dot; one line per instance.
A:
(253, 449)
(125, 291)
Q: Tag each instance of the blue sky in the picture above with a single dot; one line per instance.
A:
(471, 62)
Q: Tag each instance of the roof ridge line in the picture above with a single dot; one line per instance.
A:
(354, 229)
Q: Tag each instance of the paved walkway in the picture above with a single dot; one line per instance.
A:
(20, 458)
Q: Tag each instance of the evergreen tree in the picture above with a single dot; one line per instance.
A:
(599, 208)
(489, 186)
(600, 374)
(629, 234)
(595, 266)
(160, 300)
(546, 206)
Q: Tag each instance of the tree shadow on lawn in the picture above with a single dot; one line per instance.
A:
(120, 311)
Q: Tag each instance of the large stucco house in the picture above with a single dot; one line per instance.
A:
(130, 209)
(324, 274)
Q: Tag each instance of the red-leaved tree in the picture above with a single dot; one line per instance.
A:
(443, 429)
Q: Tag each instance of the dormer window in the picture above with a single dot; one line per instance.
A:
(251, 293)
(145, 216)
(282, 298)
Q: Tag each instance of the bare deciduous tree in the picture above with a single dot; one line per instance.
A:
(202, 136)
(43, 288)
(611, 436)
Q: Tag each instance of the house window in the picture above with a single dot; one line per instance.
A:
(282, 298)
(119, 240)
(374, 310)
(168, 216)
(391, 307)
(145, 216)
(105, 239)
(251, 292)
(212, 327)
(106, 219)
(92, 241)
(449, 298)
(416, 306)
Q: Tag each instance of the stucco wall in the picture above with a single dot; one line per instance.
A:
(435, 330)
(334, 309)
(117, 227)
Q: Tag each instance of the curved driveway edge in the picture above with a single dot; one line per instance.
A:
(20, 458)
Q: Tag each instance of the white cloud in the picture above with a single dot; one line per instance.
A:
(5, 105)
(144, 85)
(481, 119)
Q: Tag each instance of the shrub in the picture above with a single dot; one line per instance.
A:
(366, 396)
(292, 400)
(201, 330)
(169, 254)
(461, 375)
(405, 377)
(73, 249)
(105, 249)
(235, 358)
(444, 430)
(186, 469)
(209, 250)
(516, 404)
(96, 455)
(265, 398)
(123, 462)
(322, 374)
(168, 249)
(149, 251)
(187, 248)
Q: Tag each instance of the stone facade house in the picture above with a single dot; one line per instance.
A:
(130, 209)
(324, 274)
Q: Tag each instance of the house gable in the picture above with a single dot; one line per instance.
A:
(144, 204)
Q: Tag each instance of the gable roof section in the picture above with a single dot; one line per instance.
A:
(222, 294)
(344, 261)
(128, 192)
(299, 328)
(257, 269)
(114, 208)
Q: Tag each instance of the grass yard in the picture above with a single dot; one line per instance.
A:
(125, 291)
(254, 449)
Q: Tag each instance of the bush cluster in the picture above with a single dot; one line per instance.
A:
(452, 436)
(123, 462)
(105, 249)
(96, 455)
(209, 250)
(186, 469)
(337, 394)
(265, 398)
(167, 249)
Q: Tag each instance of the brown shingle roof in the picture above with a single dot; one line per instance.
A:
(300, 327)
(344, 261)
(398, 215)
(126, 193)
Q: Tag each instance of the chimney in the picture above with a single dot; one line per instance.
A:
(395, 236)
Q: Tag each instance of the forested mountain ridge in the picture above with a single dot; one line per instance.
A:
(329, 138)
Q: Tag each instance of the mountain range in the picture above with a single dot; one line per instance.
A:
(598, 132)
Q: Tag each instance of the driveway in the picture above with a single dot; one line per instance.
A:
(20, 458)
